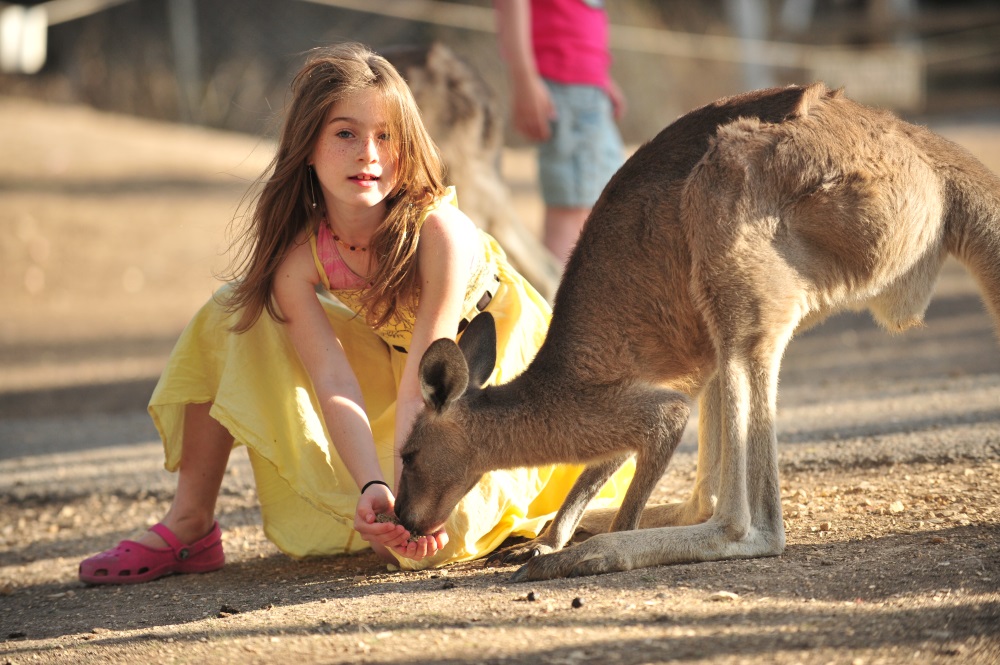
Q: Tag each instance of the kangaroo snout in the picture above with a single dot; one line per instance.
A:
(406, 515)
(424, 504)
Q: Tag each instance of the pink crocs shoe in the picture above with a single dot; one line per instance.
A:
(131, 562)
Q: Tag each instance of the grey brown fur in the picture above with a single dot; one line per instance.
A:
(740, 224)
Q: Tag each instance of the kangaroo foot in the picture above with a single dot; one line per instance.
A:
(582, 559)
(628, 550)
(516, 554)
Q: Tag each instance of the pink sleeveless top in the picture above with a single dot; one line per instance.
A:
(570, 41)
(337, 272)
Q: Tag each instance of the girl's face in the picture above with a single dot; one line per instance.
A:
(354, 157)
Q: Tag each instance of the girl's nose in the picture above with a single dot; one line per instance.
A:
(369, 150)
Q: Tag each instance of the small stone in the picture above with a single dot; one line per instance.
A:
(577, 603)
(227, 610)
(727, 596)
(896, 507)
(532, 597)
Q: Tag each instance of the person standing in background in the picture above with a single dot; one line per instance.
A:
(565, 99)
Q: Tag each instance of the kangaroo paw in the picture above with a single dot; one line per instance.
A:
(576, 561)
(518, 553)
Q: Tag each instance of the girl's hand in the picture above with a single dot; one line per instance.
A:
(534, 109)
(425, 546)
(383, 536)
(618, 102)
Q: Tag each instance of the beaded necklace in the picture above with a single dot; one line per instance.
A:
(353, 248)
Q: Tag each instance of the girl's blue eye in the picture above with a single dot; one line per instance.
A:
(344, 134)
(383, 137)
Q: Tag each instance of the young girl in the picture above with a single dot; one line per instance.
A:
(355, 259)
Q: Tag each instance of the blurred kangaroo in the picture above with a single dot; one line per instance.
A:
(739, 224)
(461, 114)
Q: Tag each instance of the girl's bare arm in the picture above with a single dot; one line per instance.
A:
(337, 389)
(448, 243)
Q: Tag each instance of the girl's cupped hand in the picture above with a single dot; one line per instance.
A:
(386, 536)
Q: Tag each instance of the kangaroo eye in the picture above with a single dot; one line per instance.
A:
(407, 459)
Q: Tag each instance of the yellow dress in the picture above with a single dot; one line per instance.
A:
(263, 395)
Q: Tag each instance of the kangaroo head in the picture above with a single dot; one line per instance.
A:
(440, 457)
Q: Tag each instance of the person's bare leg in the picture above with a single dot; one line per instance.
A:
(204, 456)
(562, 228)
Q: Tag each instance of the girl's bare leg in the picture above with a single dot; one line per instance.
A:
(204, 456)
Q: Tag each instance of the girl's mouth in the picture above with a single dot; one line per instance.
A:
(364, 177)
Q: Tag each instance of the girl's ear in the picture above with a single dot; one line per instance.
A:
(444, 375)
(479, 346)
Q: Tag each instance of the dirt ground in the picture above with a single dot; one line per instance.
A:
(110, 231)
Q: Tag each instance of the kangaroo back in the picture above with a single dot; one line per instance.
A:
(631, 266)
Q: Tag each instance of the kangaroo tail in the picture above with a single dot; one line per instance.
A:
(972, 224)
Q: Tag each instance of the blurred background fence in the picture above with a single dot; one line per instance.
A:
(226, 63)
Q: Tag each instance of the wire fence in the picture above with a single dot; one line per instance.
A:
(227, 63)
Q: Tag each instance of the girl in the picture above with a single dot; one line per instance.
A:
(355, 259)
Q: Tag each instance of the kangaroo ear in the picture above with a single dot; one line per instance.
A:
(479, 345)
(444, 375)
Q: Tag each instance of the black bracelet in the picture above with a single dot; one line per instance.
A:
(375, 482)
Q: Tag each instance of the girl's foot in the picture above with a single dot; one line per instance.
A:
(186, 530)
(131, 562)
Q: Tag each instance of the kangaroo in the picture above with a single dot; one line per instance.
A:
(739, 224)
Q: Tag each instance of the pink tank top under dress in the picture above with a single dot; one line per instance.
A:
(337, 271)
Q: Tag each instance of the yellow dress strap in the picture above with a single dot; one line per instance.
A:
(450, 196)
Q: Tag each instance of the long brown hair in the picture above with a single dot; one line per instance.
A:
(283, 207)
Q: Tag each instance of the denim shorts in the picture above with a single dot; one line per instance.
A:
(585, 149)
